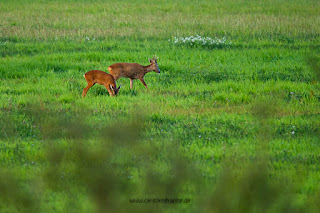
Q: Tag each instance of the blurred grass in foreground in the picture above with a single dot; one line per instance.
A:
(106, 167)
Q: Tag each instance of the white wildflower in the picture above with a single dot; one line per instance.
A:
(198, 40)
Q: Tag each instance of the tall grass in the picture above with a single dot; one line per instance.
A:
(272, 19)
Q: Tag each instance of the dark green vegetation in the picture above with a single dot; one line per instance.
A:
(234, 128)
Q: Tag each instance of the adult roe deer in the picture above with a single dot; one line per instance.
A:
(133, 70)
(103, 78)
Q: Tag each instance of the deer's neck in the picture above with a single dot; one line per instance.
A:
(147, 68)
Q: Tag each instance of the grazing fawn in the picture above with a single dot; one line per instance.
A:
(103, 78)
(133, 70)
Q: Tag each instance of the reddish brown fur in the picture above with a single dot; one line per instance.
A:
(133, 70)
(99, 77)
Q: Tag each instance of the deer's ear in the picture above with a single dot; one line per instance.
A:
(111, 87)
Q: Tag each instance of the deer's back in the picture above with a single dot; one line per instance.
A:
(130, 70)
(99, 77)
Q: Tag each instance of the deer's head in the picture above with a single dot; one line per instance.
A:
(115, 90)
(154, 64)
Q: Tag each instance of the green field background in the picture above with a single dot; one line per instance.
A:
(233, 127)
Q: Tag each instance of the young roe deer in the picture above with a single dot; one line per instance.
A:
(103, 78)
(133, 70)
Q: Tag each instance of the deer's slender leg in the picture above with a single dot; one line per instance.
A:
(131, 83)
(85, 90)
(109, 90)
(144, 83)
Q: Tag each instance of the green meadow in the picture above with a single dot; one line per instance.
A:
(227, 126)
